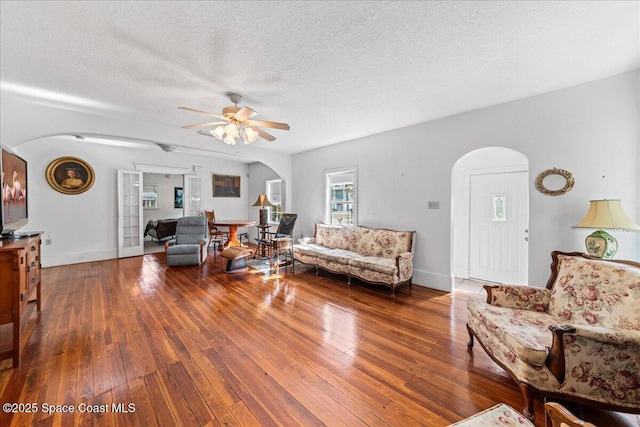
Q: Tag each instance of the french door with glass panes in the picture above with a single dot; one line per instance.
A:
(130, 227)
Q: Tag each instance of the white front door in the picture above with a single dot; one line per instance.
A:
(499, 227)
(130, 227)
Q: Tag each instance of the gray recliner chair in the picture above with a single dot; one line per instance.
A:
(190, 247)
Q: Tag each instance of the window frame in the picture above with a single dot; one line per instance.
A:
(268, 183)
(328, 201)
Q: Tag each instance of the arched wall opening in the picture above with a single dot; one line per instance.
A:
(489, 160)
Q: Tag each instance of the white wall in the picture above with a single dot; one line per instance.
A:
(590, 130)
(84, 227)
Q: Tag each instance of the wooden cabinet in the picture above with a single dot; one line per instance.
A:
(19, 289)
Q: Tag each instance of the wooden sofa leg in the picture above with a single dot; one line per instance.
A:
(529, 394)
(470, 343)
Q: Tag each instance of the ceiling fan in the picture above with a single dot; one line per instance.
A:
(236, 122)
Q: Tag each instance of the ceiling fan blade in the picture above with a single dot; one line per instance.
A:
(204, 112)
(245, 113)
(265, 135)
(262, 123)
(202, 125)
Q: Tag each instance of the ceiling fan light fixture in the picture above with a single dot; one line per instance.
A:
(236, 123)
(232, 130)
(250, 135)
(218, 132)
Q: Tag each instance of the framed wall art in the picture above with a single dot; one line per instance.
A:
(226, 186)
(178, 194)
(70, 175)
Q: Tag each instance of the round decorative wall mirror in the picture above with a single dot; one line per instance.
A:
(554, 182)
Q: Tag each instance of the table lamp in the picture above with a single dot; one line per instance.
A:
(605, 215)
(262, 202)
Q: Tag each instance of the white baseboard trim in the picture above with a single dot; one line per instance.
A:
(50, 260)
(427, 279)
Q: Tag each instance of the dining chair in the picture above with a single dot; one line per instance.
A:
(216, 236)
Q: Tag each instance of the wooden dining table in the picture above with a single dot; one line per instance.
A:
(233, 225)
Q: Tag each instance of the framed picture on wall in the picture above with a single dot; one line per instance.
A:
(70, 175)
(226, 186)
(178, 195)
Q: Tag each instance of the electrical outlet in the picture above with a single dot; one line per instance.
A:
(47, 241)
(433, 205)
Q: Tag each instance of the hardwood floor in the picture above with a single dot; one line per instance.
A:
(195, 346)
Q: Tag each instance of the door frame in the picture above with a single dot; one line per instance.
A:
(472, 163)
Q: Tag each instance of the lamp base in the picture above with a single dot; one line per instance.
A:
(601, 244)
(264, 216)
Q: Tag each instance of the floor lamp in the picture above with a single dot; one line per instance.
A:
(605, 215)
(262, 202)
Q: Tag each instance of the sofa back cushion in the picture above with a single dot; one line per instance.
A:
(596, 292)
(365, 241)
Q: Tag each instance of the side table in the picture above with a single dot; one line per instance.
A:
(263, 233)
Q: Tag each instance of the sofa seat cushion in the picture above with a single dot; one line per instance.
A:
(381, 265)
(603, 293)
(525, 332)
(309, 249)
(338, 256)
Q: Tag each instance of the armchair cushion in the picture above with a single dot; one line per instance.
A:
(183, 249)
(524, 332)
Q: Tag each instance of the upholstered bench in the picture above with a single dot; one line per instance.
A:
(235, 256)
(499, 416)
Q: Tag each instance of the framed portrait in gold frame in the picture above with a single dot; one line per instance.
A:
(70, 175)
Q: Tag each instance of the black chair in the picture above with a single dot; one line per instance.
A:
(285, 229)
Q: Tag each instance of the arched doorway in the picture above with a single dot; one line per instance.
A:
(490, 205)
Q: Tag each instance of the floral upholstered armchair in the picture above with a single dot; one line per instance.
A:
(578, 339)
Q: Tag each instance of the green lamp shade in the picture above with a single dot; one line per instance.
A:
(601, 244)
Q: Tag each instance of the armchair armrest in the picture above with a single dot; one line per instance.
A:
(404, 263)
(521, 297)
(596, 360)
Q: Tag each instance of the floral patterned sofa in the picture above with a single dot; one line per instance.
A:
(578, 339)
(372, 255)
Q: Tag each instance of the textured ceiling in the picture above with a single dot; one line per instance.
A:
(333, 70)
